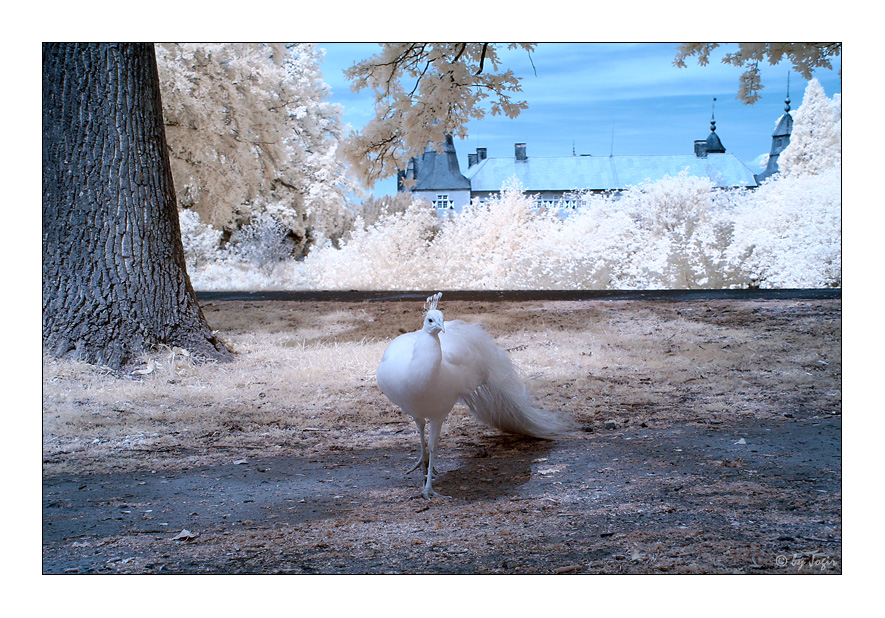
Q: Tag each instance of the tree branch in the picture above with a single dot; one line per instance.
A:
(482, 58)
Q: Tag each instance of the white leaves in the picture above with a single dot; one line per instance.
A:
(805, 58)
(679, 232)
(788, 232)
(424, 91)
(201, 241)
(249, 125)
(816, 140)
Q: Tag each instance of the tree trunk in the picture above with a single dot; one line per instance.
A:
(114, 278)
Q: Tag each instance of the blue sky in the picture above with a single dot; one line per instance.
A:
(579, 94)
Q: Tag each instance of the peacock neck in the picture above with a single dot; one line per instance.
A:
(426, 356)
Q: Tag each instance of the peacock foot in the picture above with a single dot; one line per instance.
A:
(428, 492)
(421, 465)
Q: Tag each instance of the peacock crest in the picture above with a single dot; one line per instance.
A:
(432, 302)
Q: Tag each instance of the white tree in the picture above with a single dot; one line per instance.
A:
(816, 141)
(424, 91)
(251, 131)
(788, 232)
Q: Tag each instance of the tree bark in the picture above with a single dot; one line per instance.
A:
(114, 279)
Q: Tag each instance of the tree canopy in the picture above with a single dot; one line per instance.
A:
(424, 91)
(804, 57)
(251, 131)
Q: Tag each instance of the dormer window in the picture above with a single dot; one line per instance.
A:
(442, 202)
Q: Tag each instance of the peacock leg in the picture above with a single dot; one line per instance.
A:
(422, 461)
(433, 444)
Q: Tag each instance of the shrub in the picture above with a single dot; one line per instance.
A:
(202, 242)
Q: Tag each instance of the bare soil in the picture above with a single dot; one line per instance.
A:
(710, 442)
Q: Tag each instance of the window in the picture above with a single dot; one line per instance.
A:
(558, 203)
(443, 202)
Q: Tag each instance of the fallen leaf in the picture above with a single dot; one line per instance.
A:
(185, 535)
(149, 369)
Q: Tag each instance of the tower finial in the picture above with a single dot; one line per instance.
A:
(713, 117)
(787, 100)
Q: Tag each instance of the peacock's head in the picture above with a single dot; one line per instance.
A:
(434, 321)
(433, 317)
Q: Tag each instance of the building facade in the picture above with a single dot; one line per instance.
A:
(554, 181)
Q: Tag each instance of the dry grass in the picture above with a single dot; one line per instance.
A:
(305, 371)
(277, 385)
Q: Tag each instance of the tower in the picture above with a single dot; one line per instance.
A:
(437, 177)
(780, 138)
(714, 144)
(703, 147)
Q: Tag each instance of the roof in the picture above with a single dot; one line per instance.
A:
(605, 173)
(439, 171)
(784, 126)
(714, 144)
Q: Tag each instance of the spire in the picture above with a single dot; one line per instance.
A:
(780, 139)
(787, 100)
(714, 144)
(713, 117)
(785, 123)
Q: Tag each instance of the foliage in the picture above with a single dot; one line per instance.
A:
(371, 210)
(374, 257)
(424, 91)
(679, 232)
(250, 130)
(263, 242)
(788, 233)
(676, 232)
(816, 141)
(201, 241)
(804, 57)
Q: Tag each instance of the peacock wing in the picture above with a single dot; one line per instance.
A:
(465, 356)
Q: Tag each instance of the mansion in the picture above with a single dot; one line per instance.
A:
(553, 181)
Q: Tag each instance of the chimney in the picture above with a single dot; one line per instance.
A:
(520, 152)
(481, 154)
(700, 148)
(471, 159)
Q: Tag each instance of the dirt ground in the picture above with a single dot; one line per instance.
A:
(710, 442)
